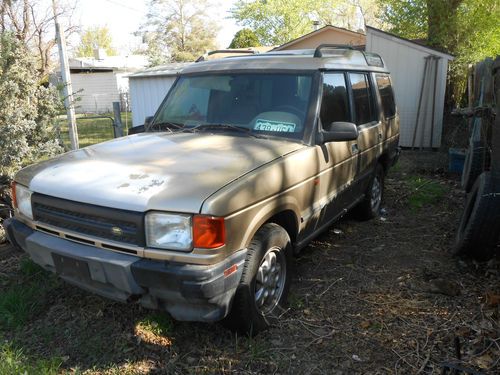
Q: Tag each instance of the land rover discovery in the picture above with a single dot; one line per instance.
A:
(244, 163)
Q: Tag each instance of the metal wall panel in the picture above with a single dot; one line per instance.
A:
(146, 95)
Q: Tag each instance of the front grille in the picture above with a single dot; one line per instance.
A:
(97, 221)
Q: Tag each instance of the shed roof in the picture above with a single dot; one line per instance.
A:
(316, 32)
(128, 63)
(412, 43)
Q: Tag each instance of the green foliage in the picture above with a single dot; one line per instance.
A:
(277, 22)
(244, 38)
(179, 30)
(158, 324)
(27, 109)
(469, 29)
(95, 38)
(405, 18)
(424, 191)
(24, 298)
(14, 361)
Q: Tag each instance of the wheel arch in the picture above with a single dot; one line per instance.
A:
(286, 216)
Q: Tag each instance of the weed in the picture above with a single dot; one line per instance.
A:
(295, 301)
(14, 361)
(157, 324)
(23, 299)
(424, 191)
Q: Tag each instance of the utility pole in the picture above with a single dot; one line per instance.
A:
(68, 89)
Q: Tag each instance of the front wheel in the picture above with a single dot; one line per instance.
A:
(265, 282)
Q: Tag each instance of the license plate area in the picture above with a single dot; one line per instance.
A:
(70, 267)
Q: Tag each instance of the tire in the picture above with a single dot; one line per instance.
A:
(478, 232)
(252, 311)
(473, 164)
(369, 207)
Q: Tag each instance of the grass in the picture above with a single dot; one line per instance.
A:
(424, 191)
(14, 361)
(92, 131)
(25, 296)
(158, 324)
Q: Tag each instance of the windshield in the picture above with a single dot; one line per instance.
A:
(258, 104)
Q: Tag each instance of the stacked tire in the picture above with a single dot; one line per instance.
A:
(479, 229)
(478, 233)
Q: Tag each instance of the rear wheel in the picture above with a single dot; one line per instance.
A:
(371, 204)
(265, 281)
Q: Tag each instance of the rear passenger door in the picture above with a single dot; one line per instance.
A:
(367, 118)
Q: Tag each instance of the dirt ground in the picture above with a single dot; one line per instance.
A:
(374, 297)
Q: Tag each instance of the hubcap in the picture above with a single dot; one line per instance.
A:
(270, 280)
(376, 193)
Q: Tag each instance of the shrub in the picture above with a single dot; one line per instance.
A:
(27, 109)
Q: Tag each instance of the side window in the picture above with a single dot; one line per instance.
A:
(335, 103)
(386, 94)
(364, 107)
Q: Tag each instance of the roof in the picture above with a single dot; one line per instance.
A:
(161, 70)
(127, 63)
(293, 60)
(419, 44)
(315, 32)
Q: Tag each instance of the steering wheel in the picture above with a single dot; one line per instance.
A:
(289, 108)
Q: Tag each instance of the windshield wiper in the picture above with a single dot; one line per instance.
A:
(237, 128)
(165, 125)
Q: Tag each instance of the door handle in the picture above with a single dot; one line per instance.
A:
(354, 148)
(379, 136)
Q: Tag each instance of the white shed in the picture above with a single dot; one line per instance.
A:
(412, 66)
(149, 87)
(101, 80)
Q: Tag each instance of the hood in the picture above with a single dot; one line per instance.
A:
(153, 171)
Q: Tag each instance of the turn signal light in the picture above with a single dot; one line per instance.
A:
(208, 232)
(13, 194)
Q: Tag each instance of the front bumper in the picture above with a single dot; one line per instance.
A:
(188, 292)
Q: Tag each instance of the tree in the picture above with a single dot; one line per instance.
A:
(178, 30)
(349, 14)
(277, 21)
(27, 109)
(468, 29)
(244, 38)
(95, 38)
(32, 23)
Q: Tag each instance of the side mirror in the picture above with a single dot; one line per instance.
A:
(339, 132)
(136, 130)
(148, 120)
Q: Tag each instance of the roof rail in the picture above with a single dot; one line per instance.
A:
(241, 51)
(318, 53)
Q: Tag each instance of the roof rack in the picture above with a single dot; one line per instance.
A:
(318, 53)
(240, 51)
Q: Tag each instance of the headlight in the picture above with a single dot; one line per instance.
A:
(169, 231)
(22, 200)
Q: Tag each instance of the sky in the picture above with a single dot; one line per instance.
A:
(124, 17)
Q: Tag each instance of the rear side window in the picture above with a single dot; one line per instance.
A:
(335, 103)
(386, 94)
(364, 107)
